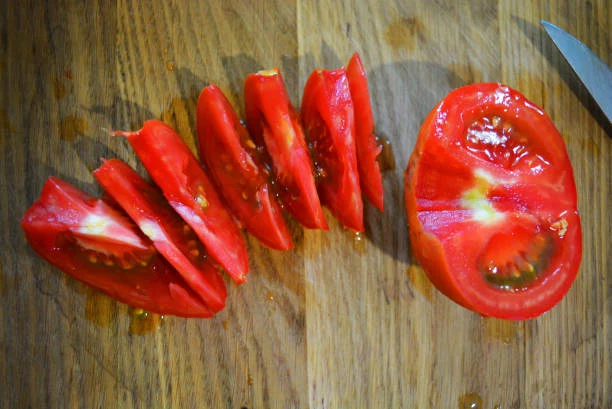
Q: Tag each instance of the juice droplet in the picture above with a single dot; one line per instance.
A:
(270, 296)
(501, 330)
(59, 89)
(225, 324)
(420, 281)
(386, 160)
(143, 322)
(99, 308)
(71, 126)
(470, 401)
(359, 241)
(170, 66)
(249, 379)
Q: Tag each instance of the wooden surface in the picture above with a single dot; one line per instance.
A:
(340, 322)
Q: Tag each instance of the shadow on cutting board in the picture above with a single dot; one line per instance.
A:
(402, 93)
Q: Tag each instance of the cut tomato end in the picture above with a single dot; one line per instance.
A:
(491, 204)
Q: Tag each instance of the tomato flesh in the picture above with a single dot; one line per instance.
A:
(170, 235)
(491, 203)
(91, 241)
(231, 157)
(174, 168)
(276, 129)
(328, 118)
(366, 142)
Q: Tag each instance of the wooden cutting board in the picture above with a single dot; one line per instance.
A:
(341, 321)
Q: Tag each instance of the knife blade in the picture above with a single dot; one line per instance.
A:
(594, 74)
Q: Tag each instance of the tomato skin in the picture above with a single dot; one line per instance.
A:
(275, 125)
(328, 118)
(170, 235)
(230, 156)
(174, 168)
(366, 143)
(58, 221)
(519, 180)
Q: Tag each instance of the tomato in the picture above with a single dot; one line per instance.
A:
(191, 194)
(491, 203)
(328, 118)
(275, 127)
(91, 241)
(366, 142)
(170, 235)
(232, 159)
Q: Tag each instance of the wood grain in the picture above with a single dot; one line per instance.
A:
(341, 321)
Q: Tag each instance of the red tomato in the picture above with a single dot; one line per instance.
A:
(231, 157)
(491, 203)
(191, 194)
(275, 127)
(91, 241)
(170, 235)
(328, 117)
(366, 142)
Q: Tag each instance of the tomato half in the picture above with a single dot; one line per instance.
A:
(328, 118)
(231, 157)
(491, 203)
(366, 142)
(276, 129)
(170, 235)
(191, 194)
(91, 241)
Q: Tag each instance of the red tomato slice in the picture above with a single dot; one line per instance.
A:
(491, 203)
(231, 157)
(366, 142)
(91, 241)
(170, 235)
(275, 127)
(191, 194)
(328, 118)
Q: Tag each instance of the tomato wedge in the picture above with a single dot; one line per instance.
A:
(232, 159)
(366, 142)
(275, 127)
(328, 118)
(491, 203)
(91, 241)
(191, 194)
(170, 235)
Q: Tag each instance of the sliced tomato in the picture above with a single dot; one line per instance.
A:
(491, 203)
(170, 235)
(275, 127)
(366, 142)
(191, 194)
(91, 241)
(328, 118)
(232, 159)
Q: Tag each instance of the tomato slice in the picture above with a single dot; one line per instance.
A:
(89, 240)
(366, 142)
(275, 127)
(191, 194)
(328, 118)
(491, 203)
(233, 161)
(170, 235)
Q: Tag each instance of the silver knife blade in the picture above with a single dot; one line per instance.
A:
(595, 75)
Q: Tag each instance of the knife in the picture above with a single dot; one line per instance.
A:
(594, 74)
